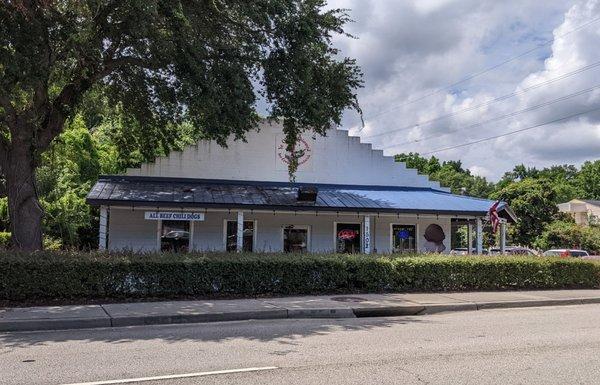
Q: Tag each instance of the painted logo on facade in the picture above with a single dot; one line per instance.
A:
(302, 147)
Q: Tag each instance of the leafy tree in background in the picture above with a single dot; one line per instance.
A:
(161, 63)
(67, 172)
(449, 173)
(588, 180)
(564, 179)
(561, 234)
(534, 203)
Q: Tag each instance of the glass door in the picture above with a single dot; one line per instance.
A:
(404, 238)
(295, 239)
(347, 237)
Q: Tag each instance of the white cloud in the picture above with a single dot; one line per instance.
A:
(409, 49)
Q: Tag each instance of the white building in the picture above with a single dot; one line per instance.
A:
(583, 211)
(348, 198)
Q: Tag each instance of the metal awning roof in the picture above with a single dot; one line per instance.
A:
(183, 192)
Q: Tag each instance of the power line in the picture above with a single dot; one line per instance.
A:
(492, 101)
(514, 113)
(476, 74)
(511, 132)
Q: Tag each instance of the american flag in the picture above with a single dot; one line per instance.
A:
(494, 218)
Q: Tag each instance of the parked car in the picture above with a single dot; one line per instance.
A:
(459, 251)
(566, 253)
(464, 251)
(592, 257)
(513, 250)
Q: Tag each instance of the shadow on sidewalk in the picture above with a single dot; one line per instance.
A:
(283, 331)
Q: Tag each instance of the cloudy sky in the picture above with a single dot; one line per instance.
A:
(415, 54)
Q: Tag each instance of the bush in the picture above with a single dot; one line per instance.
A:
(72, 275)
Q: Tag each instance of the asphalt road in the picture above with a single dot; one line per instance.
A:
(550, 345)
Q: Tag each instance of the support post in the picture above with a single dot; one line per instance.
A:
(158, 235)
(502, 236)
(367, 235)
(469, 237)
(102, 228)
(479, 235)
(239, 245)
(191, 237)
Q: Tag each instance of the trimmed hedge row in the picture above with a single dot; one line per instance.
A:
(52, 275)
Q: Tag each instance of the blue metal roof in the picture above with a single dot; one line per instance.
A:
(178, 192)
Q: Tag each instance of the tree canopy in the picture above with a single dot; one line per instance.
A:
(161, 64)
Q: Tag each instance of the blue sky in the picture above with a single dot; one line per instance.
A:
(409, 49)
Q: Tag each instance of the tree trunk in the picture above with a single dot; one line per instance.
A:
(24, 210)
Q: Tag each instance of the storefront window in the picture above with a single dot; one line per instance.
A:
(175, 236)
(295, 239)
(404, 238)
(231, 236)
(347, 237)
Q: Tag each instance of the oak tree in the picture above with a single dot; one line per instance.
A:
(162, 63)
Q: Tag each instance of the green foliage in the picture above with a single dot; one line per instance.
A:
(534, 203)
(588, 180)
(4, 240)
(561, 234)
(162, 63)
(48, 275)
(563, 179)
(69, 169)
(449, 173)
(4, 219)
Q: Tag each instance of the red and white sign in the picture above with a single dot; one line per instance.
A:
(347, 234)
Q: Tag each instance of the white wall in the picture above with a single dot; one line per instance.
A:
(129, 230)
(336, 158)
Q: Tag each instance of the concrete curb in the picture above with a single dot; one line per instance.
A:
(54, 324)
(197, 318)
(529, 303)
(410, 309)
(388, 311)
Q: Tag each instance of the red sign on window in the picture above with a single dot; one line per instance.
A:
(347, 234)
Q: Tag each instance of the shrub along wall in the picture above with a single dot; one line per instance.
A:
(52, 275)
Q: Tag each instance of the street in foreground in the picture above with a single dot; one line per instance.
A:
(550, 345)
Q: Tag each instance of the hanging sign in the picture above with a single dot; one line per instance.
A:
(173, 216)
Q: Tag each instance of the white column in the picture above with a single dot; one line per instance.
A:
(102, 228)
(469, 237)
(158, 234)
(502, 236)
(191, 235)
(239, 246)
(479, 235)
(367, 235)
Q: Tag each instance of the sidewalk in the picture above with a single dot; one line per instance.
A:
(334, 306)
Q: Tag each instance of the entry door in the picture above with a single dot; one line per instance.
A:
(295, 239)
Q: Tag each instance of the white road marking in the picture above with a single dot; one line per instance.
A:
(175, 376)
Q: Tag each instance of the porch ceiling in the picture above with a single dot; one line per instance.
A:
(175, 192)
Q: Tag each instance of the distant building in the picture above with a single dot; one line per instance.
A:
(581, 210)
(348, 198)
